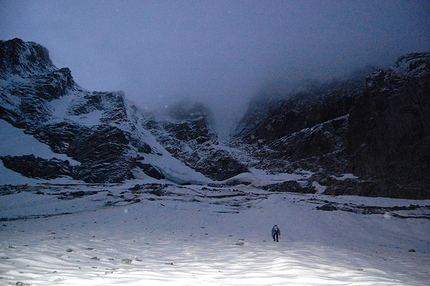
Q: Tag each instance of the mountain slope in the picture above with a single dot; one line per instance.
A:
(102, 131)
(186, 132)
(367, 134)
(389, 127)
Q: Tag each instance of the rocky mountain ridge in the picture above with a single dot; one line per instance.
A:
(376, 128)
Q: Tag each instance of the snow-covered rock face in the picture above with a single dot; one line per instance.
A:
(92, 128)
(187, 134)
(373, 126)
(102, 131)
(305, 130)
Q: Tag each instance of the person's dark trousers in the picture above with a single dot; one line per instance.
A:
(275, 237)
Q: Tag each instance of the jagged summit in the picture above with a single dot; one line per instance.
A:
(363, 135)
(23, 59)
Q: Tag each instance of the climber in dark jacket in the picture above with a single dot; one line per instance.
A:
(276, 232)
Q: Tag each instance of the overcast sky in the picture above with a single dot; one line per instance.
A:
(218, 51)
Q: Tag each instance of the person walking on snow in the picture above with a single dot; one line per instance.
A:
(276, 232)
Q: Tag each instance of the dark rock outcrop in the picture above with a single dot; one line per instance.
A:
(103, 157)
(289, 186)
(150, 170)
(35, 167)
(219, 165)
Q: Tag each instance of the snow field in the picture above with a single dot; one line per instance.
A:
(175, 240)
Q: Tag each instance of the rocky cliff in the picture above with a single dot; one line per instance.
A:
(388, 137)
(375, 127)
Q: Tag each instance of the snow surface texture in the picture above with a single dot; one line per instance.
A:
(152, 234)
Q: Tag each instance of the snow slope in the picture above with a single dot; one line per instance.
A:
(152, 234)
(14, 142)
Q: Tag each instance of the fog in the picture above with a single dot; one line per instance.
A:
(217, 52)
